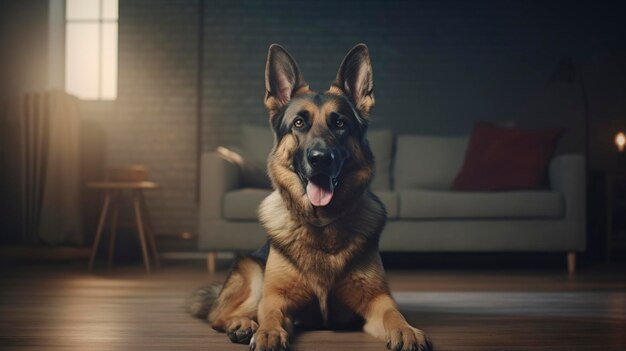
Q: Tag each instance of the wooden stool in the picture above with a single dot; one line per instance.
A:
(112, 198)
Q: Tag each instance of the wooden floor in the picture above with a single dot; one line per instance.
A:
(63, 307)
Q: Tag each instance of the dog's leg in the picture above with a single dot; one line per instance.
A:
(235, 310)
(284, 291)
(384, 321)
(275, 324)
(365, 291)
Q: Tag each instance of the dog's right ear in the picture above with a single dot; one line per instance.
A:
(283, 79)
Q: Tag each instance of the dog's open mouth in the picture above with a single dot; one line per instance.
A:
(320, 189)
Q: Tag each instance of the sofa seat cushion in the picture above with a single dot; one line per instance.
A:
(436, 204)
(242, 204)
(427, 162)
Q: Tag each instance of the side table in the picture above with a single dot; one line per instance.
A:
(113, 192)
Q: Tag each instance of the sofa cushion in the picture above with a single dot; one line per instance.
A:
(256, 145)
(500, 158)
(242, 204)
(381, 144)
(426, 162)
(257, 141)
(391, 201)
(252, 172)
(434, 204)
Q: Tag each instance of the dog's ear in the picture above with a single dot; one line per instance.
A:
(355, 80)
(283, 79)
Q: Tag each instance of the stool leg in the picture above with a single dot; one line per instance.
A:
(114, 218)
(150, 231)
(140, 230)
(210, 260)
(96, 242)
(571, 262)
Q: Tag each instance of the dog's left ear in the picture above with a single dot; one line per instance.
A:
(355, 80)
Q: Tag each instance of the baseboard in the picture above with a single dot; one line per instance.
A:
(43, 253)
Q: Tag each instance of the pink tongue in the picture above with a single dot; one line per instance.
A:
(318, 195)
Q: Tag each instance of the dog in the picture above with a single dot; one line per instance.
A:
(320, 267)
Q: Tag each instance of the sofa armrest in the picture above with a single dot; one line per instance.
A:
(217, 176)
(567, 175)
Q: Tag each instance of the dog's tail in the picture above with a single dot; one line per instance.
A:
(201, 302)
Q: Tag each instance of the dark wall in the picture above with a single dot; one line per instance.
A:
(23, 46)
(153, 121)
(606, 85)
(438, 65)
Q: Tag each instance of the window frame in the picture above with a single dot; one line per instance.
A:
(100, 21)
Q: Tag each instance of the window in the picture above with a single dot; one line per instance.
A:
(91, 48)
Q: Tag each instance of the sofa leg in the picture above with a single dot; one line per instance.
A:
(571, 262)
(210, 261)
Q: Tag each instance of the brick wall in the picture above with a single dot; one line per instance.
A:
(154, 122)
(438, 66)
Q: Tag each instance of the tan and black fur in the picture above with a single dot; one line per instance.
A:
(322, 267)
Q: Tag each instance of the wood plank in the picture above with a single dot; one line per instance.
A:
(63, 307)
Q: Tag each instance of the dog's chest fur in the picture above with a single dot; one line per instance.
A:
(322, 252)
(322, 255)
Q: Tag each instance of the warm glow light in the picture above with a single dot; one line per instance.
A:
(82, 60)
(620, 141)
(91, 48)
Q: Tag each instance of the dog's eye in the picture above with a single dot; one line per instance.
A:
(298, 122)
(340, 124)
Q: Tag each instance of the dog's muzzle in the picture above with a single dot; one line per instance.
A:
(324, 167)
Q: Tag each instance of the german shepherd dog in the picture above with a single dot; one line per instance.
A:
(321, 266)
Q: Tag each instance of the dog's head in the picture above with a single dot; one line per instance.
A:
(321, 158)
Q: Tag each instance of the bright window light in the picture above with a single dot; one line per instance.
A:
(91, 48)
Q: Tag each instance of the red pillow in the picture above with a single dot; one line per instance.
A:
(500, 158)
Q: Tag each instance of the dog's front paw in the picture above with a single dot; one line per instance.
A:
(240, 330)
(408, 339)
(270, 340)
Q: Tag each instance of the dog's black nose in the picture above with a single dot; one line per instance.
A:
(320, 158)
